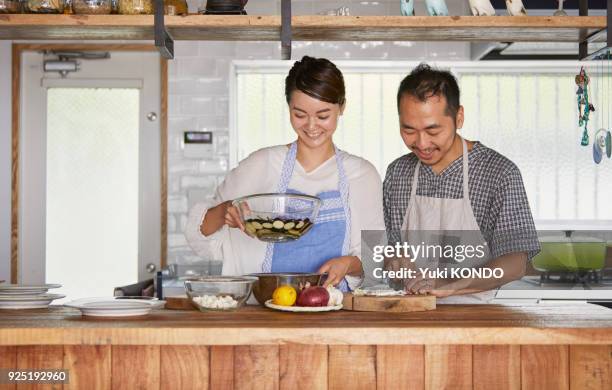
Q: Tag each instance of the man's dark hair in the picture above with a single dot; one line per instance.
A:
(318, 78)
(424, 82)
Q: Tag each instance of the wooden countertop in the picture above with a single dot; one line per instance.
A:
(448, 324)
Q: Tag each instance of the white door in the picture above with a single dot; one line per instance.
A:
(89, 191)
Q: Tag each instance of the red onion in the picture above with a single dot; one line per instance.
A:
(313, 296)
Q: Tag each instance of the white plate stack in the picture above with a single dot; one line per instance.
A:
(16, 296)
(116, 306)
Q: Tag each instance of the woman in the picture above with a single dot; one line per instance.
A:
(349, 186)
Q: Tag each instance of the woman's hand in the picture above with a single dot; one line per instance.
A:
(222, 214)
(339, 267)
(232, 217)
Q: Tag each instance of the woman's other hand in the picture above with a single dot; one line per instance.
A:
(339, 267)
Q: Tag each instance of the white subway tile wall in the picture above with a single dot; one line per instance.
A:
(198, 89)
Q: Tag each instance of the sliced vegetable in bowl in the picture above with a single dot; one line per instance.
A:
(272, 230)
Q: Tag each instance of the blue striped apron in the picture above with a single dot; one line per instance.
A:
(328, 238)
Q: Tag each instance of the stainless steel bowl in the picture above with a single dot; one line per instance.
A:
(266, 283)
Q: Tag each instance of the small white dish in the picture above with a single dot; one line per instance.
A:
(28, 301)
(302, 309)
(20, 289)
(112, 307)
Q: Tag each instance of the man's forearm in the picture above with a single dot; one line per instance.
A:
(513, 265)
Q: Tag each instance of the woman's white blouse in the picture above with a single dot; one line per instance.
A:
(260, 173)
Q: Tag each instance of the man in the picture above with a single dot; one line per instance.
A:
(449, 184)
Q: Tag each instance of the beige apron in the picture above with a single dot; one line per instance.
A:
(441, 214)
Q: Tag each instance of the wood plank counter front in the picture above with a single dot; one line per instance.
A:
(453, 347)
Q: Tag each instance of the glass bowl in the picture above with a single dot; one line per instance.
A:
(277, 217)
(215, 293)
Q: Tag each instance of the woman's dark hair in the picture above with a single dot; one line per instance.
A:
(424, 82)
(318, 78)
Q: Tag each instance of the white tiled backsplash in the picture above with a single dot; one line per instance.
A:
(199, 91)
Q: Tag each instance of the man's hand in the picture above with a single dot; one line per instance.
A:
(513, 265)
(419, 285)
(395, 264)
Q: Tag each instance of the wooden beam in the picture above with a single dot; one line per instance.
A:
(316, 28)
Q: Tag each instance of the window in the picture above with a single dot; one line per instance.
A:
(526, 111)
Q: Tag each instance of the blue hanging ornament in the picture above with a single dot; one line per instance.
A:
(584, 106)
(597, 154)
(585, 137)
(599, 143)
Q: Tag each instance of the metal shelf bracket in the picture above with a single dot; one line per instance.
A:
(163, 40)
(286, 29)
(601, 54)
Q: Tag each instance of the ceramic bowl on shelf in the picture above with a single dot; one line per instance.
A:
(277, 217)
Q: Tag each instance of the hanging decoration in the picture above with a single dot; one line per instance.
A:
(599, 142)
(602, 142)
(584, 105)
(608, 91)
(599, 145)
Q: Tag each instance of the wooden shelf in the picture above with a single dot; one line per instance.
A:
(315, 28)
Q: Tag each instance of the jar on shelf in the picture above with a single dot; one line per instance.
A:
(136, 7)
(175, 7)
(91, 7)
(10, 7)
(44, 6)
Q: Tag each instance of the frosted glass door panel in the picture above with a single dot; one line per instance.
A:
(92, 189)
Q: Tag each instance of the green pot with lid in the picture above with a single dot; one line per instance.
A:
(570, 254)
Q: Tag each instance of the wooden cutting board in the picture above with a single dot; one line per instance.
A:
(395, 304)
